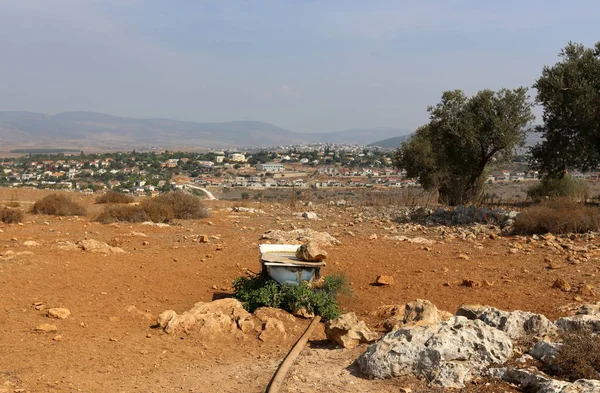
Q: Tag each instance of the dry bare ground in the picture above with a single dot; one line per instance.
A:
(108, 342)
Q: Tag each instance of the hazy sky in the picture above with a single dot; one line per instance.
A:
(305, 65)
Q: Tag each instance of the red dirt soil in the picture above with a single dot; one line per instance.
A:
(106, 345)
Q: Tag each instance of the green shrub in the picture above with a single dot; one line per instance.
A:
(112, 214)
(256, 291)
(565, 187)
(245, 195)
(115, 197)
(557, 216)
(184, 205)
(11, 216)
(58, 205)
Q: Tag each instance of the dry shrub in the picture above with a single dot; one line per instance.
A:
(115, 197)
(579, 356)
(11, 216)
(133, 213)
(184, 205)
(565, 187)
(58, 205)
(558, 216)
(158, 212)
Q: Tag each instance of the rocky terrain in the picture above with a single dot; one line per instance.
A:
(89, 307)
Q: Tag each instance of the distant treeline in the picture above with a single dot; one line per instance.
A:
(44, 151)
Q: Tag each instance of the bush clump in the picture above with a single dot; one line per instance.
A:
(133, 213)
(160, 209)
(184, 205)
(565, 187)
(115, 197)
(11, 216)
(58, 205)
(256, 291)
(578, 357)
(557, 216)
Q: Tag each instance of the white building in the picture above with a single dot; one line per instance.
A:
(270, 167)
(237, 157)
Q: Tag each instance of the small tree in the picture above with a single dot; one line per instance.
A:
(452, 152)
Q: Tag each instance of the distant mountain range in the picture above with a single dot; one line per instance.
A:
(391, 143)
(80, 129)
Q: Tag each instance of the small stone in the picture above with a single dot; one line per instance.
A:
(470, 283)
(57, 338)
(59, 313)
(384, 280)
(562, 284)
(46, 327)
(203, 239)
(373, 237)
(145, 243)
(464, 257)
(587, 290)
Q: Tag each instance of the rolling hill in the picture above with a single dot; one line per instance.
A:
(101, 130)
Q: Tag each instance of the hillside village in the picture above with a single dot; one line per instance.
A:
(149, 173)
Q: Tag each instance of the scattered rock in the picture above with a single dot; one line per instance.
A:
(531, 380)
(272, 329)
(373, 237)
(384, 280)
(470, 283)
(545, 351)
(516, 324)
(59, 313)
(30, 243)
(446, 354)
(562, 284)
(348, 331)
(46, 327)
(310, 216)
(300, 236)
(217, 317)
(203, 239)
(92, 245)
(464, 257)
(311, 252)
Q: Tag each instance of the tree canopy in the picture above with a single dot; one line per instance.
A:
(569, 93)
(452, 152)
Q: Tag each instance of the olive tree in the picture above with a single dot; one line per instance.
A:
(464, 135)
(569, 93)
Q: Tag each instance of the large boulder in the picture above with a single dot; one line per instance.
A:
(348, 331)
(446, 354)
(418, 312)
(516, 324)
(225, 316)
(311, 252)
(586, 317)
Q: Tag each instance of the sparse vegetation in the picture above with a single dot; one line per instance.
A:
(115, 197)
(184, 206)
(163, 208)
(135, 213)
(58, 205)
(11, 216)
(560, 215)
(565, 187)
(579, 356)
(256, 291)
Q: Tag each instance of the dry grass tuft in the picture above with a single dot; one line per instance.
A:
(115, 197)
(58, 205)
(184, 205)
(558, 216)
(579, 356)
(133, 213)
(11, 216)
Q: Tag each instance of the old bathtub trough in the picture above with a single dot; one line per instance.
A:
(280, 263)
